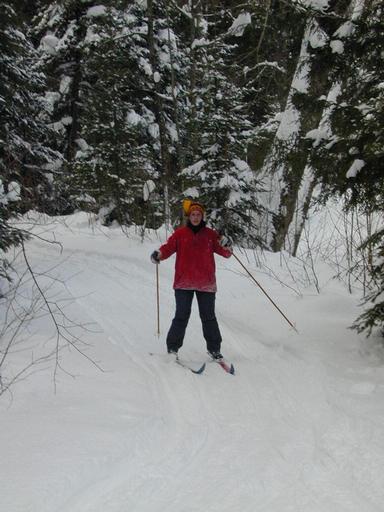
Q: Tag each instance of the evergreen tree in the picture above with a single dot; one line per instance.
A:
(24, 153)
(350, 159)
(169, 60)
(268, 36)
(60, 28)
(112, 163)
(25, 158)
(220, 175)
(117, 102)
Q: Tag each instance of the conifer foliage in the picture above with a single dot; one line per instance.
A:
(24, 155)
(219, 174)
(25, 158)
(112, 163)
(352, 157)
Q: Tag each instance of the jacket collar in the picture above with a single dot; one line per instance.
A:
(197, 228)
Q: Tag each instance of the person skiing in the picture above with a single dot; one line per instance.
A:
(194, 245)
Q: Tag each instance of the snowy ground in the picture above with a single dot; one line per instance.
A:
(300, 427)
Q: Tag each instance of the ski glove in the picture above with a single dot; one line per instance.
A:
(155, 257)
(225, 242)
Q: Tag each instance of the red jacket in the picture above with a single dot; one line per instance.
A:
(195, 262)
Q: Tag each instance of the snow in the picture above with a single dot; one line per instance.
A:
(172, 131)
(345, 30)
(191, 192)
(51, 98)
(318, 5)
(290, 120)
(54, 166)
(133, 118)
(317, 135)
(239, 24)
(82, 143)
(148, 187)
(91, 36)
(146, 66)
(195, 168)
(337, 46)
(154, 130)
(13, 194)
(334, 93)
(196, 43)
(356, 166)
(168, 36)
(358, 9)
(14, 191)
(65, 84)
(240, 165)
(96, 11)
(3, 199)
(300, 427)
(48, 44)
(67, 120)
(318, 37)
(289, 124)
(57, 127)
(66, 39)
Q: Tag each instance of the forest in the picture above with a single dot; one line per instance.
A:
(261, 109)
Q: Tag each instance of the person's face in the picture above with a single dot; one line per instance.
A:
(196, 217)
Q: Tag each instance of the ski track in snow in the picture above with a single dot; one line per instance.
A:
(294, 430)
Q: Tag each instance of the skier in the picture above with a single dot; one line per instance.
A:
(194, 245)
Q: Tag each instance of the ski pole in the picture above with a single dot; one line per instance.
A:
(265, 293)
(158, 300)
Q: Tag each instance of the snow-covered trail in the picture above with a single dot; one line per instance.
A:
(298, 428)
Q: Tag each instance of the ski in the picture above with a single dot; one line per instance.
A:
(197, 371)
(227, 367)
(186, 365)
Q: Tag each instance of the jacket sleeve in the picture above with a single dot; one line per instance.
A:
(170, 247)
(218, 249)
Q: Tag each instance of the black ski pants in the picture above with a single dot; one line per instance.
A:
(206, 302)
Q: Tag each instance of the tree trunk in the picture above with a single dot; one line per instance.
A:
(159, 116)
(287, 164)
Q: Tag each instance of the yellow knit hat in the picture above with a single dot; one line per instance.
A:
(189, 206)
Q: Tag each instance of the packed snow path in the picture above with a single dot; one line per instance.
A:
(298, 428)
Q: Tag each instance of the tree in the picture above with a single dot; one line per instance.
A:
(351, 155)
(218, 173)
(60, 28)
(112, 163)
(25, 155)
(24, 151)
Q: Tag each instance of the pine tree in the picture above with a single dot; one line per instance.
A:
(24, 152)
(219, 174)
(117, 89)
(112, 164)
(25, 156)
(169, 60)
(60, 28)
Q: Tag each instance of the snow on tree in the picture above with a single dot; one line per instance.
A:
(25, 155)
(24, 151)
(219, 172)
(112, 162)
(350, 157)
(288, 169)
(61, 29)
